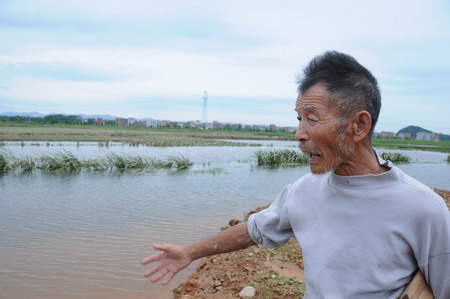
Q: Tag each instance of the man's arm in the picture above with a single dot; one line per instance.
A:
(175, 258)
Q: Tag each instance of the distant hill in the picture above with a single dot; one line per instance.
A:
(85, 116)
(415, 129)
(37, 114)
(23, 114)
(104, 116)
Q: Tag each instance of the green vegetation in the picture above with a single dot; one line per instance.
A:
(281, 158)
(403, 144)
(128, 162)
(133, 135)
(10, 131)
(64, 161)
(448, 159)
(395, 157)
(4, 166)
(67, 162)
(180, 163)
(26, 164)
(211, 171)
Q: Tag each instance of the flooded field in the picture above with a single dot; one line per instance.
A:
(83, 234)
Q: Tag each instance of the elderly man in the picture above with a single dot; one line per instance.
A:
(364, 226)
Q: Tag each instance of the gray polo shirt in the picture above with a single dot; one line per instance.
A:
(361, 236)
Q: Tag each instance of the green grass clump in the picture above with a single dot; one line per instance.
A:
(128, 162)
(448, 158)
(141, 163)
(4, 164)
(95, 165)
(395, 157)
(62, 161)
(26, 164)
(281, 158)
(67, 162)
(180, 163)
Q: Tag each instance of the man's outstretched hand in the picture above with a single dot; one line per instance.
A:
(171, 260)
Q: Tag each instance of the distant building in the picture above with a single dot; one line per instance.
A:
(121, 121)
(258, 128)
(131, 121)
(425, 136)
(236, 126)
(289, 129)
(217, 125)
(405, 135)
(164, 123)
(208, 126)
(385, 134)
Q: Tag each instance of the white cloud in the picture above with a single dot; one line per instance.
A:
(61, 53)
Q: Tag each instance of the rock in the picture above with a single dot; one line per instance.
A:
(217, 283)
(247, 292)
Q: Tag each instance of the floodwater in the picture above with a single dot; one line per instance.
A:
(83, 235)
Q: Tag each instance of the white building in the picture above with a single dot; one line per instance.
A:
(424, 136)
(131, 121)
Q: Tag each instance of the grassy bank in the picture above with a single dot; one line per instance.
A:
(440, 146)
(174, 137)
(136, 135)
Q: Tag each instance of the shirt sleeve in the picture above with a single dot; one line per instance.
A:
(437, 268)
(438, 273)
(271, 227)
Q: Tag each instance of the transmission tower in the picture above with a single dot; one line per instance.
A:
(205, 107)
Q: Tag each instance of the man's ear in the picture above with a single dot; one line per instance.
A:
(362, 122)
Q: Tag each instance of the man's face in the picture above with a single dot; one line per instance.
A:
(321, 134)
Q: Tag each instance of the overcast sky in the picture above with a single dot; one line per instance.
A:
(155, 58)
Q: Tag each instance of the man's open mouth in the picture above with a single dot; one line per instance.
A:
(313, 156)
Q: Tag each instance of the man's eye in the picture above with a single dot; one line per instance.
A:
(312, 121)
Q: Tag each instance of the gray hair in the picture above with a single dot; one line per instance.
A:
(351, 86)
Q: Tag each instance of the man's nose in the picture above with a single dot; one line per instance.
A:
(301, 134)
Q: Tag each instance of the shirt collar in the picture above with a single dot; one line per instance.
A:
(370, 181)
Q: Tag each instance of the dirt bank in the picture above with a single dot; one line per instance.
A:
(275, 273)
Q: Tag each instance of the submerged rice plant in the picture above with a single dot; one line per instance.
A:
(4, 165)
(211, 171)
(128, 162)
(67, 162)
(395, 157)
(143, 163)
(26, 164)
(180, 163)
(281, 158)
(95, 165)
(63, 161)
